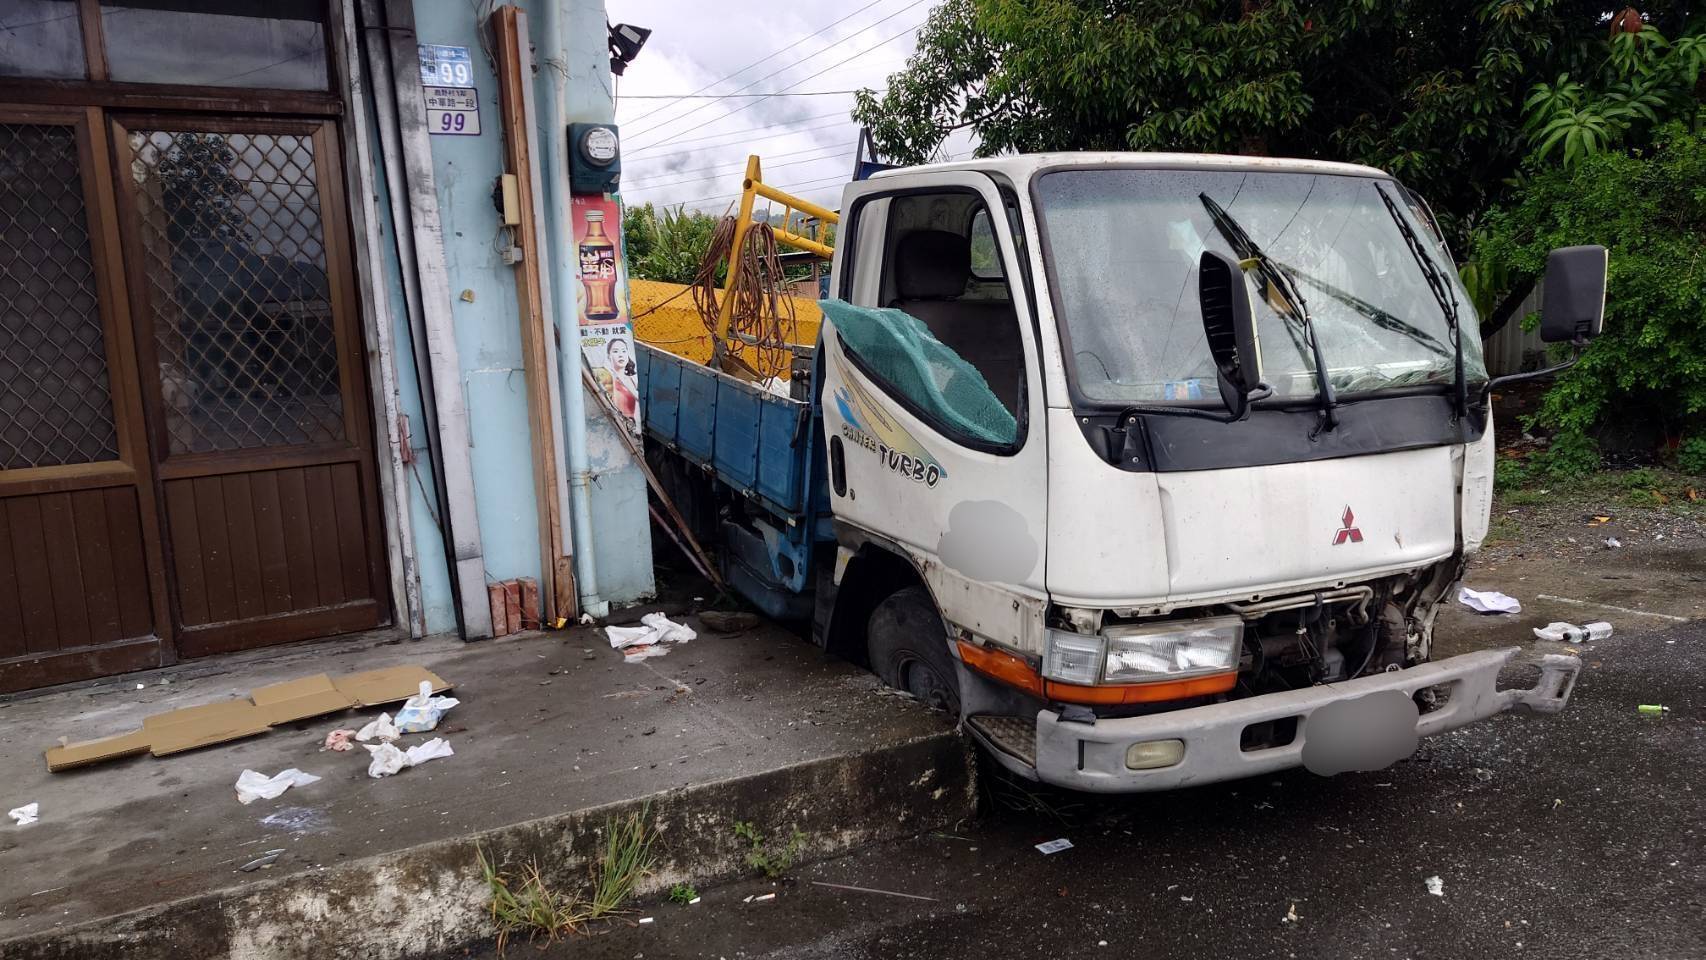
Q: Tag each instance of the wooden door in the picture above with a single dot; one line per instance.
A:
(237, 257)
(78, 596)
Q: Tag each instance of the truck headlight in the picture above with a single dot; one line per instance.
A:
(1177, 650)
(1073, 657)
(1172, 651)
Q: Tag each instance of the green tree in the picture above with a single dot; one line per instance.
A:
(667, 244)
(1648, 206)
(1431, 90)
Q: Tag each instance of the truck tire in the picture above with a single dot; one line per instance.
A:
(909, 650)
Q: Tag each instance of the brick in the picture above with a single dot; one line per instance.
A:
(512, 605)
(530, 604)
(500, 609)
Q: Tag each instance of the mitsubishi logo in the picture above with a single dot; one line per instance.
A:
(1348, 530)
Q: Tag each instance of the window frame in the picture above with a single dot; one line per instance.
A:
(852, 254)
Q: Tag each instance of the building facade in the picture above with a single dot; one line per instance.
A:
(298, 314)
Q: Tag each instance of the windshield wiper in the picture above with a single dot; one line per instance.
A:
(1280, 282)
(1447, 303)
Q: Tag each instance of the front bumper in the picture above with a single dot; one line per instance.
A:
(1091, 757)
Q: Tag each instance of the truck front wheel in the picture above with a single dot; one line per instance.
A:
(909, 649)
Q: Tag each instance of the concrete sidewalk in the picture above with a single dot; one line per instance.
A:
(555, 733)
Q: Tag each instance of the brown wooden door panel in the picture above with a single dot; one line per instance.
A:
(70, 576)
(77, 596)
(254, 384)
(270, 543)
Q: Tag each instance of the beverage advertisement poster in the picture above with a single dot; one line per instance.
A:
(607, 336)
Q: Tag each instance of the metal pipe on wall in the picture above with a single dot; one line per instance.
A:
(553, 56)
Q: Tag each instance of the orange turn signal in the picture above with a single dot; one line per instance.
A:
(1112, 695)
(1003, 666)
(1014, 671)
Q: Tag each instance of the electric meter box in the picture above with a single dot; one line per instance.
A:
(595, 158)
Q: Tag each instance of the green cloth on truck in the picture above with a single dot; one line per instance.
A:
(903, 352)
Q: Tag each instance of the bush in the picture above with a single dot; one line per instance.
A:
(1649, 208)
(1691, 456)
(1571, 456)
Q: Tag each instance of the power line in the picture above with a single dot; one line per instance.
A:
(767, 56)
(784, 69)
(749, 105)
(728, 96)
(738, 138)
(797, 187)
(742, 165)
(726, 171)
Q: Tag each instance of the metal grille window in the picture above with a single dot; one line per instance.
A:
(236, 265)
(55, 403)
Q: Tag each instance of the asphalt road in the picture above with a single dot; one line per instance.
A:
(1580, 835)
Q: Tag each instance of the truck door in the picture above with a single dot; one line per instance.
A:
(933, 406)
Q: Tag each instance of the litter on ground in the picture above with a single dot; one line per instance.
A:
(339, 740)
(1291, 915)
(422, 711)
(379, 728)
(652, 639)
(1436, 886)
(1055, 846)
(1563, 632)
(264, 860)
(1645, 710)
(886, 893)
(387, 759)
(252, 786)
(1487, 601)
(25, 815)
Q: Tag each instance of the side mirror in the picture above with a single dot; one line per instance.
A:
(1572, 306)
(1229, 322)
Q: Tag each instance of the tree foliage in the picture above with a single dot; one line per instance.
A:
(1431, 90)
(1648, 206)
(666, 244)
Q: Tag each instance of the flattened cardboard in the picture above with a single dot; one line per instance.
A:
(376, 687)
(203, 726)
(300, 699)
(96, 751)
(190, 727)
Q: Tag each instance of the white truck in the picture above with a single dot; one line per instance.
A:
(1152, 469)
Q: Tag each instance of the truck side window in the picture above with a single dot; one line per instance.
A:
(931, 272)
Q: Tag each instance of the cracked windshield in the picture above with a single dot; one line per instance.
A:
(1124, 246)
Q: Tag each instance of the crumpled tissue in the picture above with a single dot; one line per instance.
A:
(422, 711)
(252, 786)
(650, 640)
(380, 727)
(25, 815)
(387, 759)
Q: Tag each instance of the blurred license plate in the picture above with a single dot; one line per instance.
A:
(1366, 733)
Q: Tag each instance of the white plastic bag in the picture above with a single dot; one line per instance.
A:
(252, 786)
(1487, 601)
(381, 728)
(422, 711)
(387, 759)
(650, 640)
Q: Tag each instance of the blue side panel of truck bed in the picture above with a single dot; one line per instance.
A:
(758, 445)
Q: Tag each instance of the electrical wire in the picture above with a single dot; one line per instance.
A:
(778, 52)
(762, 326)
(717, 173)
(737, 134)
(753, 103)
(683, 116)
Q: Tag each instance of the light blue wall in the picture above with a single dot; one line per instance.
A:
(488, 337)
(622, 529)
(488, 326)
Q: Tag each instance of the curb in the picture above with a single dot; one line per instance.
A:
(429, 899)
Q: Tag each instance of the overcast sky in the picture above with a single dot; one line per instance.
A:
(693, 150)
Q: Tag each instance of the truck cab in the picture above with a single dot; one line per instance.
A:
(1154, 469)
